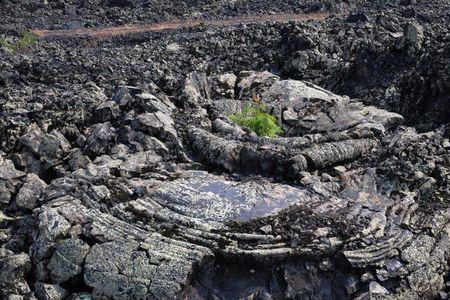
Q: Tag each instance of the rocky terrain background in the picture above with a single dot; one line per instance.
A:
(122, 177)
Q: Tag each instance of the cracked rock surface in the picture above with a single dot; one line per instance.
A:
(123, 177)
(137, 222)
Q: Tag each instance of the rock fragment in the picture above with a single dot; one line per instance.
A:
(67, 260)
(29, 193)
(376, 289)
(50, 291)
(100, 139)
(14, 268)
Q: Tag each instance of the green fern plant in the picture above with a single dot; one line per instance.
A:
(254, 117)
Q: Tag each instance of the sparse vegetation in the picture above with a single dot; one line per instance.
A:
(25, 39)
(254, 117)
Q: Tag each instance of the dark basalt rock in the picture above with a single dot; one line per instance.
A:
(122, 3)
(14, 268)
(67, 259)
(123, 177)
(132, 225)
(50, 291)
(30, 192)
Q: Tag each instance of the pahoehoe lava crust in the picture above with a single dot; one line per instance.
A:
(122, 175)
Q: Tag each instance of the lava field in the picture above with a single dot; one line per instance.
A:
(210, 149)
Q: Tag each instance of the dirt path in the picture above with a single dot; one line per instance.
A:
(112, 31)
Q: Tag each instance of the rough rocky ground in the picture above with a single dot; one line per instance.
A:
(122, 177)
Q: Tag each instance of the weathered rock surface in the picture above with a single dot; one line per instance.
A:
(30, 192)
(67, 260)
(50, 291)
(14, 268)
(129, 223)
(122, 176)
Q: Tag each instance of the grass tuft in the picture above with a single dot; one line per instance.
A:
(25, 39)
(254, 117)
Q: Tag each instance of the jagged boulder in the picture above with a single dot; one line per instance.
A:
(50, 291)
(14, 268)
(29, 193)
(67, 260)
(100, 139)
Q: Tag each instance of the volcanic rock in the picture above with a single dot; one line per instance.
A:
(122, 175)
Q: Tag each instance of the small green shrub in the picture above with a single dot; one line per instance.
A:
(256, 119)
(5, 43)
(26, 39)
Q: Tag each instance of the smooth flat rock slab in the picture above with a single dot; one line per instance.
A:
(215, 198)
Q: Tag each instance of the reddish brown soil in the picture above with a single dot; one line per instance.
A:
(112, 31)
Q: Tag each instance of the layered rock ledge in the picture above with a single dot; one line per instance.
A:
(160, 200)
